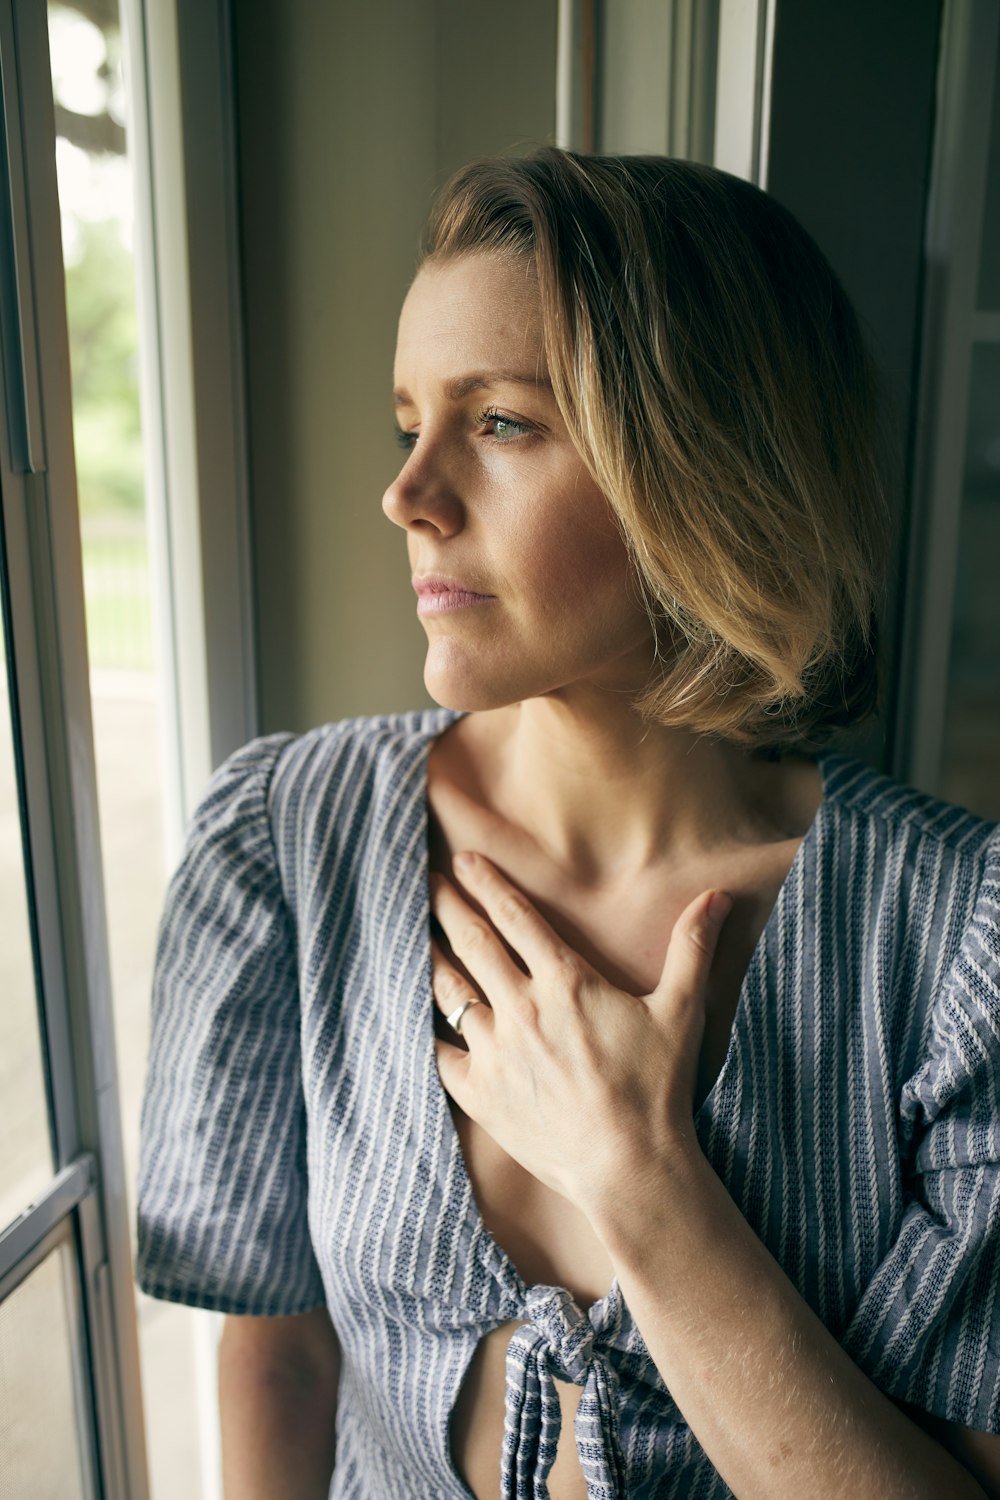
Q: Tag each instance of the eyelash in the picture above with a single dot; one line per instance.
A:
(489, 415)
(406, 440)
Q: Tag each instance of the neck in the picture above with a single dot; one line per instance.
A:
(607, 795)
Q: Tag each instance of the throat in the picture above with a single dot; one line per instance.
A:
(612, 800)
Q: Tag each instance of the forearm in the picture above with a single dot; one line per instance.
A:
(777, 1405)
(278, 1435)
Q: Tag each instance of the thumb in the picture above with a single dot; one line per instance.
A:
(692, 947)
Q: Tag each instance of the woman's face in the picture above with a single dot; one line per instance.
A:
(524, 584)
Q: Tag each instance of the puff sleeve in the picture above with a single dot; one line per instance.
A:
(927, 1329)
(222, 1192)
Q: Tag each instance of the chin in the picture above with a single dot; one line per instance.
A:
(467, 697)
(469, 688)
(470, 682)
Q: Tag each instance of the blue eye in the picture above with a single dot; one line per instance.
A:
(405, 440)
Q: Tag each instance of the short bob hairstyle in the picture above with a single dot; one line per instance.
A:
(712, 374)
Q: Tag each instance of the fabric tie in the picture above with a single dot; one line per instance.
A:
(558, 1340)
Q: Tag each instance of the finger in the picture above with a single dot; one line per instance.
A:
(453, 1065)
(473, 941)
(519, 923)
(452, 989)
(692, 947)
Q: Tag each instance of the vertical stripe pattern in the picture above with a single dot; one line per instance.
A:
(297, 1149)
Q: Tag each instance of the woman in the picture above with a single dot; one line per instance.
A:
(692, 1188)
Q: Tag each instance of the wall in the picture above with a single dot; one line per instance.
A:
(349, 115)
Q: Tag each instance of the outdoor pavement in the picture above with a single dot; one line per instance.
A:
(128, 758)
(127, 747)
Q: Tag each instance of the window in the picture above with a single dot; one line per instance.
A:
(972, 702)
(94, 286)
(949, 723)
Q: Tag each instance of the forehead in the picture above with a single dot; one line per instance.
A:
(478, 311)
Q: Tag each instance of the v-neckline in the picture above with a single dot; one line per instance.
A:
(495, 1257)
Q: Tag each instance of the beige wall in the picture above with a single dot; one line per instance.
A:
(349, 114)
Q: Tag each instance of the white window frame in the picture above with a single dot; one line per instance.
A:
(84, 1200)
(697, 82)
(179, 58)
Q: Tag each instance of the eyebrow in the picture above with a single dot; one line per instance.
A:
(464, 385)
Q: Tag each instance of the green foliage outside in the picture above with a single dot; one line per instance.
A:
(85, 46)
(104, 343)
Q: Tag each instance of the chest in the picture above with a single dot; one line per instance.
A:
(548, 1239)
(625, 935)
(402, 1184)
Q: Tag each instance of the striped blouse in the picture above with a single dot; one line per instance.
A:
(297, 1147)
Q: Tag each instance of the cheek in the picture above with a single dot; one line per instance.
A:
(558, 531)
(596, 565)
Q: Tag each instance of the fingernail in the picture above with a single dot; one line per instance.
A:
(720, 905)
(464, 861)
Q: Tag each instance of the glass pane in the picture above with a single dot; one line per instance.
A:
(972, 720)
(42, 1411)
(25, 1144)
(127, 688)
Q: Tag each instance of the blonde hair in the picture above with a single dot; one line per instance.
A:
(712, 374)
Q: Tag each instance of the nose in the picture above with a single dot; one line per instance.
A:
(422, 497)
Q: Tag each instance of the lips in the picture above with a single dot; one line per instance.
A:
(438, 594)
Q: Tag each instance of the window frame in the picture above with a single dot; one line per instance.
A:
(181, 81)
(183, 150)
(953, 236)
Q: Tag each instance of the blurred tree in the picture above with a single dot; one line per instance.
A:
(100, 132)
(99, 277)
(103, 351)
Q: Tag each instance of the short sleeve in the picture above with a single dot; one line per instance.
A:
(222, 1192)
(928, 1327)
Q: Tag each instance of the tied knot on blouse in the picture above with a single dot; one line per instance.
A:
(559, 1340)
(291, 1007)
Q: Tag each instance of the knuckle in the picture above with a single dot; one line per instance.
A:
(477, 937)
(451, 987)
(569, 974)
(525, 1013)
(510, 908)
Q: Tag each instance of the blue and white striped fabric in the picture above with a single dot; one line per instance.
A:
(298, 1148)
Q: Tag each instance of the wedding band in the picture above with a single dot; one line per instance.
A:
(455, 1019)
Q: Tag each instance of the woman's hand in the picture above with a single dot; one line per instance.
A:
(592, 1091)
(579, 1082)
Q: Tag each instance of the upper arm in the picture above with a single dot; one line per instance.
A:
(222, 1202)
(979, 1452)
(302, 1348)
(278, 1405)
(925, 1326)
